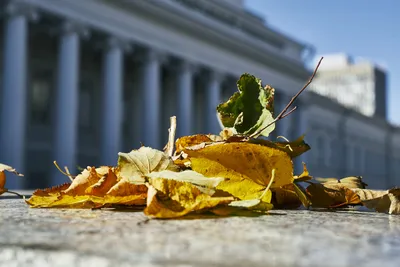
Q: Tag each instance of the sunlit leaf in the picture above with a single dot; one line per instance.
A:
(250, 109)
(169, 198)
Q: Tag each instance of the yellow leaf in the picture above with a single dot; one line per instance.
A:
(248, 168)
(293, 149)
(43, 198)
(305, 176)
(126, 193)
(75, 202)
(134, 165)
(303, 197)
(167, 198)
(204, 184)
(252, 204)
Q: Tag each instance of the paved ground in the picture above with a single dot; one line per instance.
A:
(40, 237)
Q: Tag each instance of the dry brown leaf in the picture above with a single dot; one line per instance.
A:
(103, 185)
(89, 177)
(349, 182)
(285, 197)
(169, 198)
(387, 201)
(331, 195)
(3, 169)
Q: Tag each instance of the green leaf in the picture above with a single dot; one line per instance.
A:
(250, 109)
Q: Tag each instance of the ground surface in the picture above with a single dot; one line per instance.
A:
(46, 237)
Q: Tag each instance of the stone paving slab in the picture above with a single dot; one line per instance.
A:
(51, 237)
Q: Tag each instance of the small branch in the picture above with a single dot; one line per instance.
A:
(169, 148)
(283, 113)
(15, 193)
(65, 173)
(69, 174)
(289, 112)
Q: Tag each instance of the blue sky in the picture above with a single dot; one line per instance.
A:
(361, 28)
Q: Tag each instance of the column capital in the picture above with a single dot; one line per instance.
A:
(18, 8)
(185, 65)
(112, 42)
(151, 54)
(72, 27)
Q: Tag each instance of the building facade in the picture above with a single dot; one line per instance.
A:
(83, 80)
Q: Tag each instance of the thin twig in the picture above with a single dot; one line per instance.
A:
(283, 112)
(289, 112)
(169, 148)
(15, 193)
(59, 169)
(69, 174)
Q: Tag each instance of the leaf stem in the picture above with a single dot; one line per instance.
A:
(269, 184)
(59, 169)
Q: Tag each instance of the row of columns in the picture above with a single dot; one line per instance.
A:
(14, 97)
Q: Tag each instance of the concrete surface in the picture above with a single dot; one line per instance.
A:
(49, 237)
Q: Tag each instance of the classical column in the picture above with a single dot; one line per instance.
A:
(151, 87)
(112, 102)
(212, 100)
(66, 120)
(13, 102)
(185, 98)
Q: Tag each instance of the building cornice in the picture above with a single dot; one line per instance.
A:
(230, 37)
(182, 19)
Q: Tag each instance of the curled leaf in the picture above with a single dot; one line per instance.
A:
(89, 177)
(331, 195)
(250, 109)
(304, 176)
(286, 197)
(387, 201)
(3, 169)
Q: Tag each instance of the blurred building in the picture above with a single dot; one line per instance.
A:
(360, 86)
(347, 123)
(83, 80)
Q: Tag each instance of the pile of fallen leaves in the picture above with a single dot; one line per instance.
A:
(237, 172)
